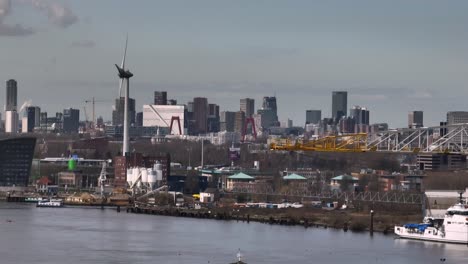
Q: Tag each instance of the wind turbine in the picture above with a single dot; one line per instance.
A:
(125, 75)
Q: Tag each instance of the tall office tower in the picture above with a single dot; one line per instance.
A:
(11, 95)
(43, 121)
(239, 122)
(200, 115)
(313, 116)
(160, 98)
(172, 102)
(11, 116)
(31, 119)
(71, 120)
(118, 112)
(415, 119)
(227, 120)
(339, 104)
(139, 119)
(269, 111)
(213, 118)
(247, 106)
(360, 115)
(456, 117)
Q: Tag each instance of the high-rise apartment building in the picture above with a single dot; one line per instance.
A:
(247, 105)
(227, 120)
(313, 116)
(118, 112)
(160, 98)
(239, 122)
(11, 95)
(200, 115)
(71, 120)
(360, 115)
(415, 119)
(339, 104)
(213, 118)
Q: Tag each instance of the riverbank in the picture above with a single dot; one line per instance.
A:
(307, 217)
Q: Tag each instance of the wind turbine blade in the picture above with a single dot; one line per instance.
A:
(125, 54)
(122, 66)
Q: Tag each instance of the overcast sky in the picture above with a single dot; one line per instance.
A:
(392, 56)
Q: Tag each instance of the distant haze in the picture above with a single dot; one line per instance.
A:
(392, 57)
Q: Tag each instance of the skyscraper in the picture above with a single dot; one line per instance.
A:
(160, 98)
(269, 112)
(247, 106)
(31, 119)
(71, 120)
(11, 95)
(213, 118)
(339, 104)
(227, 120)
(360, 115)
(11, 116)
(313, 116)
(200, 114)
(239, 122)
(118, 112)
(415, 119)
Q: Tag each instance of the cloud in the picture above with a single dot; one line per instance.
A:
(58, 14)
(15, 30)
(83, 44)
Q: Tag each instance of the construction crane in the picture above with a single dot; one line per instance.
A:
(93, 102)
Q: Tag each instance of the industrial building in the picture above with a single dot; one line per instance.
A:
(122, 163)
(16, 156)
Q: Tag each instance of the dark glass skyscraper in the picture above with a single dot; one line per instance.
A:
(313, 116)
(160, 98)
(71, 120)
(339, 104)
(200, 114)
(118, 113)
(11, 95)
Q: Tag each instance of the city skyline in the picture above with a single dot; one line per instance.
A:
(390, 60)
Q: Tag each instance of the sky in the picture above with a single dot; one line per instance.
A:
(391, 56)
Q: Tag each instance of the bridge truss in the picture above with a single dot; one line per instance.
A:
(441, 139)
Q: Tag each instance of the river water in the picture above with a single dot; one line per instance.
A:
(90, 235)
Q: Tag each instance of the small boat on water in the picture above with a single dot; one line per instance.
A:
(452, 228)
(50, 203)
(239, 258)
(33, 199)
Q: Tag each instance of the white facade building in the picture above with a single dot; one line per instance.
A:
(161, 116)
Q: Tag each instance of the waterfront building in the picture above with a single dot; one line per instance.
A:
(247, 105)
(118, 112)
(16, 156)
(339, 104)
(160, 98)
(313, 116)
(415, 119)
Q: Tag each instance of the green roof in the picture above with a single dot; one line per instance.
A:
(294, 177)
(347, 177)
(241, 176)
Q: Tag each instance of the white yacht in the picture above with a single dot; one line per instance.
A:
(453, 228)
(50, 203)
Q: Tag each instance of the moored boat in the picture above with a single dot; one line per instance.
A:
(453, 228)
(50, 203)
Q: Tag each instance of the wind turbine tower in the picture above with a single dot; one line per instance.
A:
(125, 75)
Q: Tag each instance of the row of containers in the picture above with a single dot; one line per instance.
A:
(142, 177)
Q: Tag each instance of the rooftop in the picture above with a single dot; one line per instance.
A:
(294, 177)
(241, 176)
